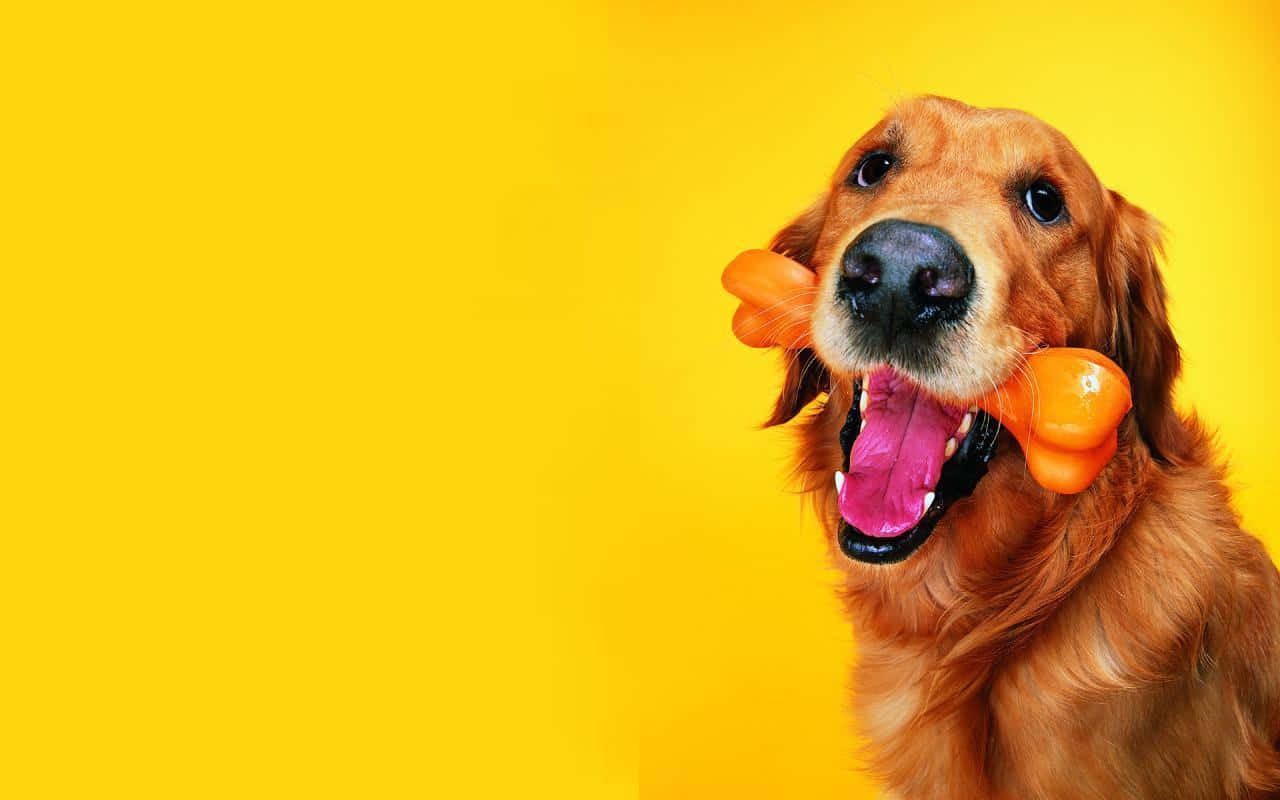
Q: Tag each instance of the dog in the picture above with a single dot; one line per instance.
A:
(1015, 643)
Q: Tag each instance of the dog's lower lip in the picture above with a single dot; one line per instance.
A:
(960, 475)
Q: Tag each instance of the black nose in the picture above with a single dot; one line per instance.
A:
(905, 277)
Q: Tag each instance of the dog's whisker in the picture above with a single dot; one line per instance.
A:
(765, 312)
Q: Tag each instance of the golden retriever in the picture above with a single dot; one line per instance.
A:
(1016, 643)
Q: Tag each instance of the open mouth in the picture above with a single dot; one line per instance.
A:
(907, 459)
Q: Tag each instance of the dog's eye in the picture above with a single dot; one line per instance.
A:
(872, 168)
(1044, 201)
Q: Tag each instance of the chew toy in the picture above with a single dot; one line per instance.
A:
(777, 299)
(1062, 405)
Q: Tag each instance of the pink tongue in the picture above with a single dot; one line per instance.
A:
(898, 456)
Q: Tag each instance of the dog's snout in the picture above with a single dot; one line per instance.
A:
(905, 276)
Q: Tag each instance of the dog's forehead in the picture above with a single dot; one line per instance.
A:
(938, 131)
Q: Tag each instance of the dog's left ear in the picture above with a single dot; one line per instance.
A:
(806, 377)
(1140, 337)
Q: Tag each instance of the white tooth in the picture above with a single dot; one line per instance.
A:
(964, 425)
(862, 403)
(951, 448)
(839, 481)
(928, 500)
(864, 425)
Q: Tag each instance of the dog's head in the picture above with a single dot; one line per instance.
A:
(952, 242)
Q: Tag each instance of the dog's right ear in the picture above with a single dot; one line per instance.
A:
(806, 377)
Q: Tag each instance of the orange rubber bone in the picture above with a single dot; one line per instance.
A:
(1063, 405)
(777, 299)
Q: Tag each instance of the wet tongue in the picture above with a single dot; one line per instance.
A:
(896, 459)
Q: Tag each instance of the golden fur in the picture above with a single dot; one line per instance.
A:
(1118, 643)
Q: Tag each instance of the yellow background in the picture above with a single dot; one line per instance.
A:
(374, 428)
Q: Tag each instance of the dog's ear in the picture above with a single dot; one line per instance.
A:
(806, 377)
(1140, 337)
(799, 239)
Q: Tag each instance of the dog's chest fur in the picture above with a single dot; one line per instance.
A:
(1025, 734)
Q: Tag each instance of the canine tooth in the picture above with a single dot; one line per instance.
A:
(928, 500)
(839, 481)
(951, 448)
(862, 403)
(863, 426)
(964, 425)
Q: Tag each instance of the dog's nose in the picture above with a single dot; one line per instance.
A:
(905, 276)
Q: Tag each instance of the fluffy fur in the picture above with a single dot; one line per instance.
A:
(1119, 643)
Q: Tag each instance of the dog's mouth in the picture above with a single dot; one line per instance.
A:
(908, 457)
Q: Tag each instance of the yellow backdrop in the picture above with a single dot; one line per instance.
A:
(375, 428)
